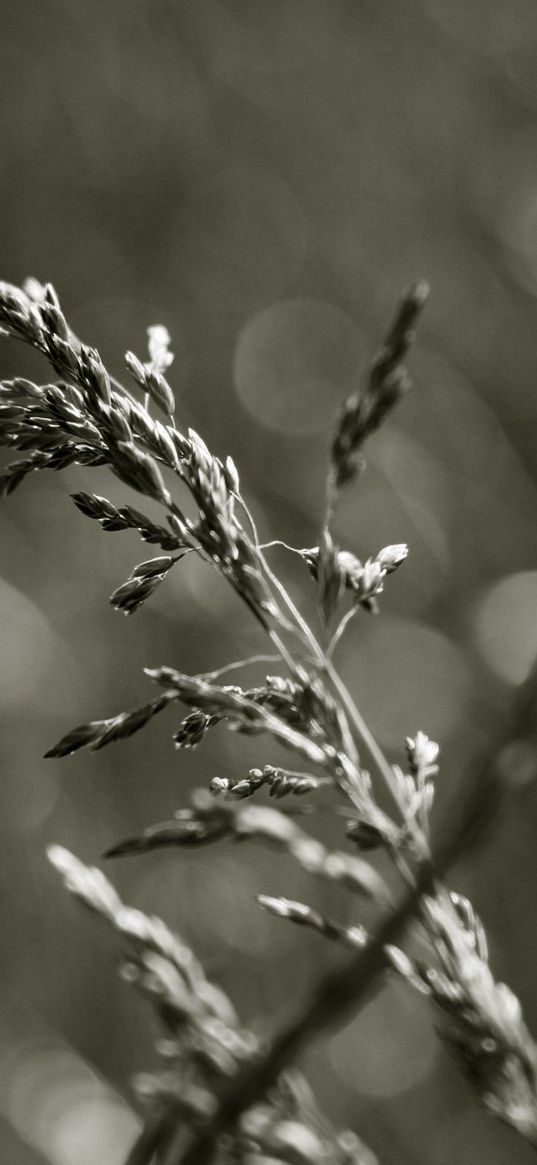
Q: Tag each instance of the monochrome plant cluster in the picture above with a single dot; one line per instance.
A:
(220, 1092)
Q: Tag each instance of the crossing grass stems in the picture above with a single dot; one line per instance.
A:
(221, 1093)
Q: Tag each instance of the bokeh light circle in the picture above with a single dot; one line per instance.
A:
(29, 648)
(506, 626)
(406, 675)
(294, 361)
(58, 1103)
(390, 1046)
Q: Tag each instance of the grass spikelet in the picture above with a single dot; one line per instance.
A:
(218, 1078)
(143, 580)
(98, 733)
(387, 381)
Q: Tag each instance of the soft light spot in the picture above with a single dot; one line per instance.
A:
(506, 626)
(419, 479)
(30, 796)
(93, 1128)
(225, 901)
(405, 675)
(219, 907)
(519, 231)
(517, 763)
(28, 648)
(195, 581)
(60, 1106)
(294, 362)
(390, 1046)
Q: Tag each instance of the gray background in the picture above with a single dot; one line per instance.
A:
(264, 178)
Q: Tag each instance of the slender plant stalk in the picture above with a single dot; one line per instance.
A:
(342, 992)
(221, 1079)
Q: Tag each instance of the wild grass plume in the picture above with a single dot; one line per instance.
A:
(221, 1094)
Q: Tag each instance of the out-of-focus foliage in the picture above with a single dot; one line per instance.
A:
(263, 178)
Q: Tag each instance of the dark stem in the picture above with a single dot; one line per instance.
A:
(338, 996)
(335, 1000)
(341, 993)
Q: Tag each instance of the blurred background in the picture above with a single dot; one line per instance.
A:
(264, 178)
